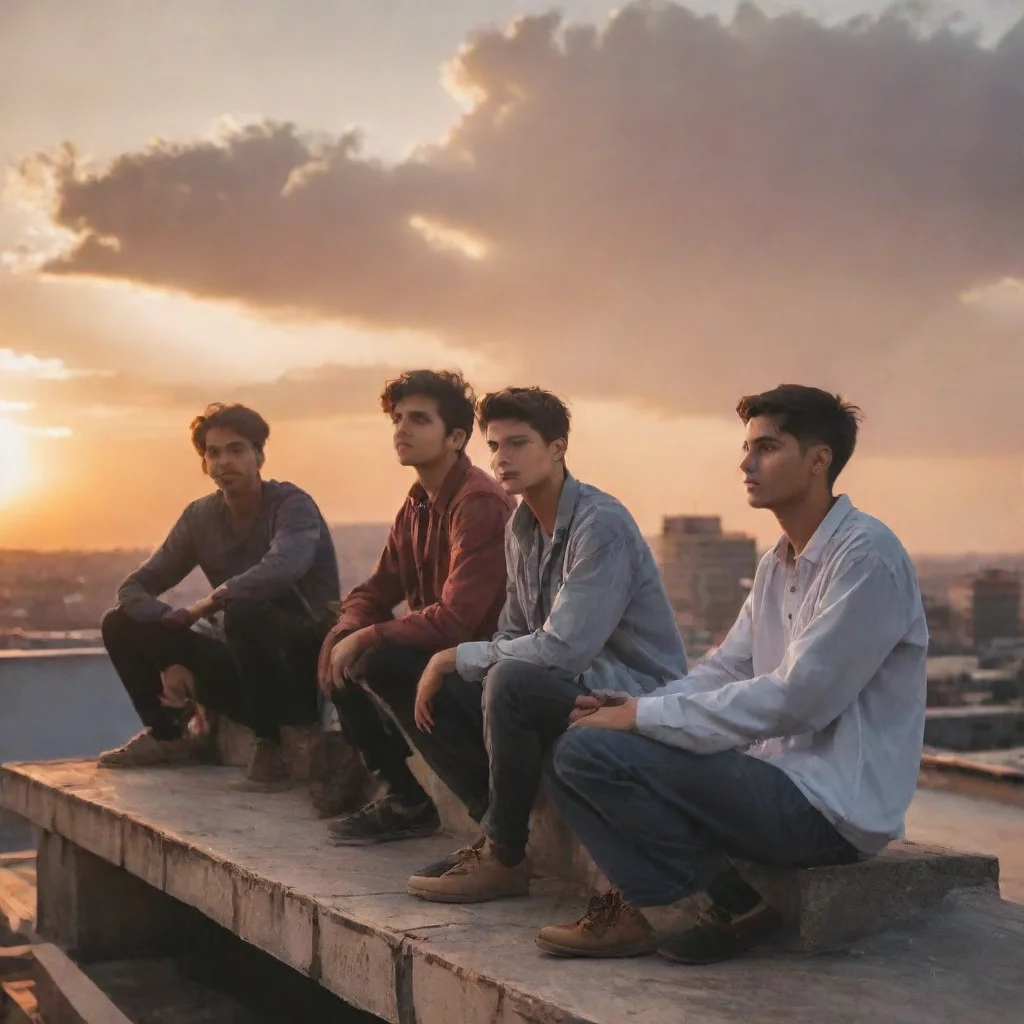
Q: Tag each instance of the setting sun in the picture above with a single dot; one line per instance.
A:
(15, 462)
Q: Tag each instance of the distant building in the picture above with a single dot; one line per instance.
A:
(946, 634)
(707, 574)
(988, 604)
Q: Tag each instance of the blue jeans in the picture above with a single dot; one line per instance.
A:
(660, 821)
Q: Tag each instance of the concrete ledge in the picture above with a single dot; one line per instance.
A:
(257, 863)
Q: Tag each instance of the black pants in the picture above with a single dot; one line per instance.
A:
(263, 675)
(489, 740)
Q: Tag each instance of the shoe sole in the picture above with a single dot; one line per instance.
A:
(391, 837)
(454, 897)
(705, 961)
(595, 954)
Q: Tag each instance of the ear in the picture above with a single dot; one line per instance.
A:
(206, 469)
(822, 459)
(457, 439)
(260, 459)
(558, 448)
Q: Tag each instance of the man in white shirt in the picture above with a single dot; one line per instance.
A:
(797, 744)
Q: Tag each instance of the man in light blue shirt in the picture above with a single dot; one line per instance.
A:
(796, 744)
(586, 610)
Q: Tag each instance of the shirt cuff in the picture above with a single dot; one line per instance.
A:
(650, 715)
(472, 660)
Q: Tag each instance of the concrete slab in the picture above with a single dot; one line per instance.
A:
(259, 863)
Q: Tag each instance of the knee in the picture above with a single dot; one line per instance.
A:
(581, 753)
(379, 665)
(243, 615)
(114, 626)
(505, 685)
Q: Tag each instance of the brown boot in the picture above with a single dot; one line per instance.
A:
(719, 935)
(610, 928)
(146, 751)
(347, 785)
(303, 751)
(266, 769)
(476, 877)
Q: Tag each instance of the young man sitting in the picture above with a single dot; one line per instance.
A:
(266, 551)
(445, 559)
(586, 610)
(796, 745)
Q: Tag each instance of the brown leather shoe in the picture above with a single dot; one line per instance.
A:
(719, 935)
(346, 785)
(266, 769)
(610, 928)
(476, 877)
(146, 751)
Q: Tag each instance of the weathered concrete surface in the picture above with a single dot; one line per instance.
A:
(258, 863)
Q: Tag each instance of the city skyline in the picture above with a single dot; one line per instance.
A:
(534, 201)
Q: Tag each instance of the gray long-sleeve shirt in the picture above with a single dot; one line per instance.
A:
(590, 603)
(284, 554)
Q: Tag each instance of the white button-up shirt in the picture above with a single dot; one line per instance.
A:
(823, 675)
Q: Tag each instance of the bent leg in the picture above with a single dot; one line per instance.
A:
(260, 639)
(526, 708)
(659, 820)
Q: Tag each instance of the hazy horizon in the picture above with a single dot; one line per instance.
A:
(651, 212)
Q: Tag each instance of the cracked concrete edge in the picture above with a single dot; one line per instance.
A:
(385, 971)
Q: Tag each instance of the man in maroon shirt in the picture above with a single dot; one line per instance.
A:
(445, 557)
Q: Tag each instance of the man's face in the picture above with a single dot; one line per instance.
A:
(520, 458)
(419, 432)
(231, 460)
(776, 472)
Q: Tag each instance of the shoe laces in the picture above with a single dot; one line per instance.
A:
(603, 911)
(470, 854)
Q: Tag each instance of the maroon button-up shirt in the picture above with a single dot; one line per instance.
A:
(446, 559)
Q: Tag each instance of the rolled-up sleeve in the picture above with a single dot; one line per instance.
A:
(861, 617)
(290, 556)
(598, 586)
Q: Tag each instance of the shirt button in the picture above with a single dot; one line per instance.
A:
(792, 590)
(791, 616)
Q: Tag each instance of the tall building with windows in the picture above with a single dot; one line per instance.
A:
(707, 574)
(989, 606)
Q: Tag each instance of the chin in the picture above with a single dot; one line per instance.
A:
(512, 486)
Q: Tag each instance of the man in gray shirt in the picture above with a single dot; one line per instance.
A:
(267, 553)
(586, 610)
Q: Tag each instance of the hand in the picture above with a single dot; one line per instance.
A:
(439, 666)
(620, 717)
(344, 654)
(201, 609)
(179, 618)
(590, 702)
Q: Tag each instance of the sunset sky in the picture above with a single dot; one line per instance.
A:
(651, 210)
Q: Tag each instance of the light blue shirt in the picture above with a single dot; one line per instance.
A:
(590, 604)
(823, 675)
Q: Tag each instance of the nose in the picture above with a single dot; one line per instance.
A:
(747, 462)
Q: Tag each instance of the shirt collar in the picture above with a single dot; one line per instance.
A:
(525, 522)
(452, 482)
(822, 535)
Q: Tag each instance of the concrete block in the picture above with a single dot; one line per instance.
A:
(829, 908)
(201, 882)
(143, 854)
(93, 828)
(280, 923)
(441, 995)
(360, 964)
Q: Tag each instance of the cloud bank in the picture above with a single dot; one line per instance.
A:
(669, 210)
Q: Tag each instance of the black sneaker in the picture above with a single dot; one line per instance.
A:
(384, 821)
(443, 866)
(719, 935)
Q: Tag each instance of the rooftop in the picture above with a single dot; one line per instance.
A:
(258, 864)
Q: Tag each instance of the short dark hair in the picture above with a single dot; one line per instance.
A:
(454, 396)
(542, 410)
(240, 418)
(810, 415)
